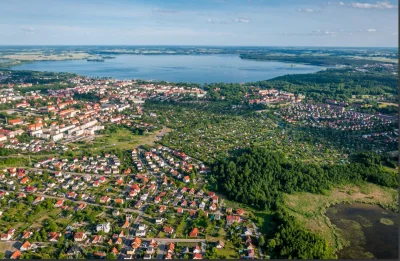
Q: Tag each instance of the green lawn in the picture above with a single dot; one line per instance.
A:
(229, 251)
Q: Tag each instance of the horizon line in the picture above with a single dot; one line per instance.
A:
(177, 45)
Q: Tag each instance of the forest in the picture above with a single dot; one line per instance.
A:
(339, 84)
(257, 176)
(322, 60)
(291, 240)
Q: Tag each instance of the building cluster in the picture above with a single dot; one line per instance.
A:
(139, 201)
(273, 96)
(333, 116)
(77, 113)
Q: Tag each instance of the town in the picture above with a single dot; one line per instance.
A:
(90, 167)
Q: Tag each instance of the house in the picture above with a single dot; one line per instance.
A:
(186, 179)
(150, 250)
(59, 203)
(26, 246)
(104, 200)
(250, 253)
(97, 239)
(119, 201)
(162, 209)
(247, 231)
(168, 230)
(99, 254)
(194, 232)
(240, 211)
(72, 195)
(104, 227)
(136, 243)
(213, 207)
(82, 206)
(5, 237)
(171, 248)
(38, 199)
(118, 241)
(24, 180)
(74, 251)
(220, 244)
(179, 210)
(196, 249)
(27, 235)
(54, 236)
(198, 256)
(126, 224)
(16, 255)
(15, 122)
(140, 233)
(79, 236)
(159, 220)
(232, 219)
(115, 213)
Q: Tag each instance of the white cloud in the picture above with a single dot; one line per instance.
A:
(378, 5)
(308, 10)
(217, 21)
(28, 29)
(241, 20)
(164, 10)
(371, 30)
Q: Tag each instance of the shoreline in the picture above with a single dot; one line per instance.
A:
(318, 211)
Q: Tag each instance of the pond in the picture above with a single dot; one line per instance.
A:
(369, 230)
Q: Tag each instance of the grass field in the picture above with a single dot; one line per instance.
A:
(309, 209)
(122, 139)
(229, 251)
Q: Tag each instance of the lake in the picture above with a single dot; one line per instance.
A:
(372, 232)
(175, 68)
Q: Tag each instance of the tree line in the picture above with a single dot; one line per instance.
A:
(258, 177)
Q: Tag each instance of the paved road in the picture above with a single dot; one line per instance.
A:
(161, 251)
(175, 240)
(258, 234)
(71, 173)
(128, 210)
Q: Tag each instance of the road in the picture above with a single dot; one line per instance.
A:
(258, 234)
(161, 251)
(71, 173)
(175, 240)
(127, 210)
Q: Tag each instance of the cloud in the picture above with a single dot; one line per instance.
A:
(165, 11)
(28, 30)
(308, 10)
(241, 20)
(217, 21)
(371, 30)
(378, 5)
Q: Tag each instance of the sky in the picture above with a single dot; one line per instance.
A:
(364, 23)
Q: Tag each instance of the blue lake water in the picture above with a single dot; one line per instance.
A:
(175, 68)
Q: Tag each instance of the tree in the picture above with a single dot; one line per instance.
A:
(261, 241)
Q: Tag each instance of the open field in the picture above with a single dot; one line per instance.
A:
(123, 139)
(43, 57)
(386, 104)
(378, 59)
(309, 209)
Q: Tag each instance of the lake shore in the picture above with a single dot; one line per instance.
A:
(310, 209)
